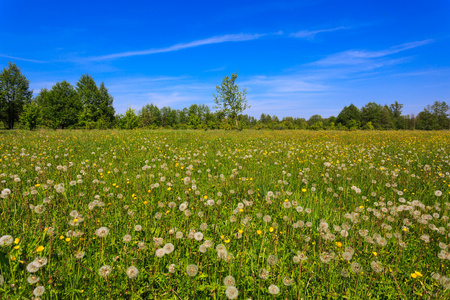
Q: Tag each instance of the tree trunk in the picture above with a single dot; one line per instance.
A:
(235, 117)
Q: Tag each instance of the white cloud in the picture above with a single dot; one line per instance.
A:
(310, 34)
(23, 59)
(212, 40)
(358, 57)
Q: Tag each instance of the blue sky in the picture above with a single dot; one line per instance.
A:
(296, 58)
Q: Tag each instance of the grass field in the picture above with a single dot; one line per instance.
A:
(224, 215)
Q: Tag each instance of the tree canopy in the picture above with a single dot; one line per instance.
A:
(229, 99)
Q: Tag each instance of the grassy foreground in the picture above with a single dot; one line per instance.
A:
(224, 215)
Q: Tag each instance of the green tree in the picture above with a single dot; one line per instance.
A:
(130, 120)
(31, 115)
(106, 110)
(229, 99)
(347, 114)
(61, 106)
(14, 94)
(150, 116)
(372, 112)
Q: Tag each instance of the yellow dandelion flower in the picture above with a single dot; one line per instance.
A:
(258, 232)
(240, 231)
(16, 241)
(339, 244)
(418, 274)
(374, 253)
(413, 275)
(227, 241)
(40, 249)
(271, 229)
(67, 239)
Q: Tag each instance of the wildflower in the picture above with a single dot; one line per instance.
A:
(231, 292)
(127, 238)
(192, 270)
(339, 244)
(39, 291)
(168, 248)
(344, 273)
(40, 261)
(229, 281)
(132, 272)
(263, 273)
(374, 253)
(138, 228)
(377, 266)
(104, 271)
(273, 289)
(259, 232)
(356, 268)
(6, 240)
(32, 279)
(171, 268)
(287, 281)
(79, 254)
(272, 260)
(32, 267)
(198, 236)
(102, 232)
(438, 193)
(160, 252)
(347, 256)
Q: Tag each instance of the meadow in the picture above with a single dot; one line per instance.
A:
(224, 215)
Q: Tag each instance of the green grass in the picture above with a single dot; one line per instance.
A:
(377, 200)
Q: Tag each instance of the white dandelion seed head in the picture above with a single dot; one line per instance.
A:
(132, 272)
(39, 291)
(273, 289)
(104, 271)
(231, 292)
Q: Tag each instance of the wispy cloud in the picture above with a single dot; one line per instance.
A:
(357, 57)
(310, 34)
(212, 40)
(23, 59)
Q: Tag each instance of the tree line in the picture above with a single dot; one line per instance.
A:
(89, 106)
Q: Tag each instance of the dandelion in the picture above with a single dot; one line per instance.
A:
(160, 252)
(39, 291)
(438, 193)
(192, 270)
(171, 268)
(132, 272)
(138, 228)
(356, 268)
(267, 218)
(40, 261)
(32, 279)
(347, 256)
(198, 236)
(272, 260)
(229, 281)
(79, 254)
(6, 240)
(376, 266)
(104, 271)
(344, 273)
(263, 274)
(102, 232)
(32, 267)
(202, 248)
(273, 289)
(231, 292)
(287, 281)
(168, 248)
(179, 235)
(127, 238)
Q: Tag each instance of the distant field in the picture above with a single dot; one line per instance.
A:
(224, 215)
